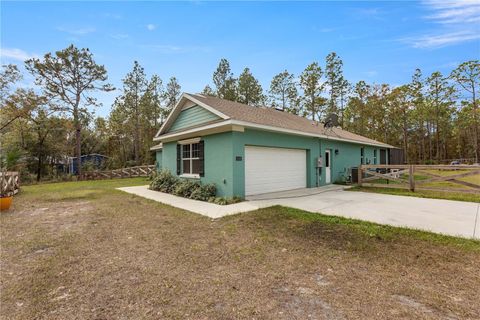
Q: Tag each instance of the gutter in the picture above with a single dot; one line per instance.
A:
(266, 128)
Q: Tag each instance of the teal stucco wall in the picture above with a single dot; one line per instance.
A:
(192, 116)
(349, 155)
(158, 159)
(218, 161)
(225, 157)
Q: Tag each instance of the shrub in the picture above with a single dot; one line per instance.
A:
(152, 175)
(164, 182)
(204, 192)
(185, 188)
(224, 200)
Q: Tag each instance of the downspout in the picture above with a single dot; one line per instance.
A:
(318, 169)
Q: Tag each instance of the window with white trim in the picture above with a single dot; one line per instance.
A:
(191, 159)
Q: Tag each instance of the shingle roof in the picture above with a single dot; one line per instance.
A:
(275, 118)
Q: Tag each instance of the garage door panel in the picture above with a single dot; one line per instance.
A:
(274, 169)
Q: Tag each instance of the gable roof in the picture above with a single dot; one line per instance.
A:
(272, 118)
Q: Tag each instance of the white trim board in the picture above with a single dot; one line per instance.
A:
(245, 124)
(179, 108)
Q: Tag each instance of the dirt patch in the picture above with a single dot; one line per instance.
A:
(120, 256)
(58, 216)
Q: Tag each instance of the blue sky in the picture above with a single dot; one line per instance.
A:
(381, 42)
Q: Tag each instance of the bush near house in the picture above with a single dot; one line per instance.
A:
(166, 182)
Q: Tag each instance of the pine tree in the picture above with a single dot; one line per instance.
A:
(310, 82)
(440, 96)
(249, 89)
(284, 93)
(134, 87)
(208, 91)
(172, 94)
(69, 76)
(467, 76)
(225, 83)
(336, 84)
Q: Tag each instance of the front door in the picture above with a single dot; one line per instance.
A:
(328, 171)
(383, 156)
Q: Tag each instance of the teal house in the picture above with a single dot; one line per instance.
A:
(246, 150)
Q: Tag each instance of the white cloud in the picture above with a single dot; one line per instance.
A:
(458, 20)
(458, 11)
(16, 54)
(119, 36)
(442, 40)
(77, 32)
(168, 48)
(111, 15)
(151, 27)
(371, 73)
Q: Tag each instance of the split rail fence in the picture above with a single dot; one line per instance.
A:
(421, 177)
(130, 172)
(10, 182)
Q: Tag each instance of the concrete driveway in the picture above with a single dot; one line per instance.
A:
(454, 218)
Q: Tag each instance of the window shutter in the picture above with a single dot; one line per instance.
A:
(201, 155)
(179, 159)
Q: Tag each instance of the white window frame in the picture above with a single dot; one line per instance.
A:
(190, 146)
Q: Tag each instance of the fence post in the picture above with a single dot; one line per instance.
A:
(411, 177)
(360, 175)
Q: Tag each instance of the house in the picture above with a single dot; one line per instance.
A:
(246, 150)
(94, 160)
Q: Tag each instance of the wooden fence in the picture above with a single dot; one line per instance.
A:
(10, 182)
(420, 177)
(139, 171)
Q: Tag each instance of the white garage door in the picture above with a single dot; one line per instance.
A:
(274, 169)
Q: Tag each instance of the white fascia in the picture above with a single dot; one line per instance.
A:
(301, 133)
(176, 108)
(266, 128)
(194, 130)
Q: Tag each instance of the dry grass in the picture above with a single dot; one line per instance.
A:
(85, 251)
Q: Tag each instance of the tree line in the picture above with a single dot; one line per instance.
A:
(432, 118)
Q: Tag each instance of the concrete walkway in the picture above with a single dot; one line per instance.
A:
(454, 218)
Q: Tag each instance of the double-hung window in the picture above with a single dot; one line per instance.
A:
(191, 159)
(362, 155)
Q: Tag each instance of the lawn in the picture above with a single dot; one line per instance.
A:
(435, 194)
(458, 196)
(82, 250)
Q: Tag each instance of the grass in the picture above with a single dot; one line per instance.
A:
(83, 250)
(434, 194)
(458, 196)
(373, 230)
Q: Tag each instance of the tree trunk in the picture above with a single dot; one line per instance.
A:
(78, 148)
(137, 134)
(137, 145)
(476, 147)
(39, 169)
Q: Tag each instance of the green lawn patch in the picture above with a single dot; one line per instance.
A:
(365, 231)
(76, 190)
(470, 197)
